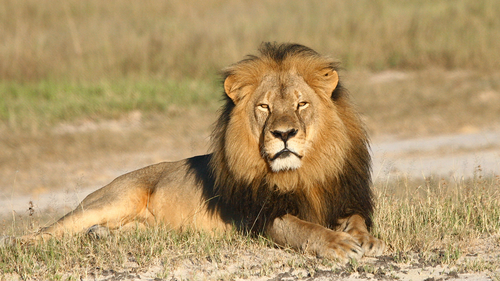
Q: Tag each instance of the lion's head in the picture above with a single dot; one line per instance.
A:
(288, 130)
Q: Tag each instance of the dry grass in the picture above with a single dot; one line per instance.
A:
(437, 214)
(189, 254)
(437, 221)
(430, 102)
(95, 40)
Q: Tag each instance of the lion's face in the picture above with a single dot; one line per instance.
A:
(283, 112)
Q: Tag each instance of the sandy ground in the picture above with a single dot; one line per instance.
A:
(453, 156)
(383, 268)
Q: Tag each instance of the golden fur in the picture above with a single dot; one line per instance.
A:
(290, 160)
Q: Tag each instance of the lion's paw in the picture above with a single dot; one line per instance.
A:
(372, 246)
(341, 246)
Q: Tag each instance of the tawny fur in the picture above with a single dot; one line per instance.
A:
(283, 106)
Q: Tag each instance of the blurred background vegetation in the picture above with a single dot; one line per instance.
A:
(61, 60)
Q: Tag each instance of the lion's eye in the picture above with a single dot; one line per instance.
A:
(302, 104)
(264, 106)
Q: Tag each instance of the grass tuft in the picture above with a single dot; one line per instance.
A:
(437, 216)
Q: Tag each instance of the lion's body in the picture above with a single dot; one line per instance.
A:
(290, 160)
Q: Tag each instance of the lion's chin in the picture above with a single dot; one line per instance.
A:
(290, 162)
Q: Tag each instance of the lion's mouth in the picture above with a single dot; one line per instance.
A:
(284, 154)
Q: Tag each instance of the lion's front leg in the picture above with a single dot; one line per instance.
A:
(356, 226)
(314, 238)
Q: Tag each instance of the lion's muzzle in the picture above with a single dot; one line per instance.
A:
(282, 152)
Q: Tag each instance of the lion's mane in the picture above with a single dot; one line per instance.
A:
(334, 183)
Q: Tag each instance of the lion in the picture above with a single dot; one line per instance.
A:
(290, 161)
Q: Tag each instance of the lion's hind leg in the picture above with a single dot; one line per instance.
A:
(356, 226)
(113, 206)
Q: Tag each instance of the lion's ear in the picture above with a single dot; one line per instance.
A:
(231, 88)
(331, 80)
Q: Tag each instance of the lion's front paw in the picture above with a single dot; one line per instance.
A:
(341, 246)
(372, 246)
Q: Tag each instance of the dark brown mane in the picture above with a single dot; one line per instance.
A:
(253, 204)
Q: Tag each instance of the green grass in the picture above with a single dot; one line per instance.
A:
(43, 104)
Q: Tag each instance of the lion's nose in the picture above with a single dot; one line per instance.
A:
(284, 135)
